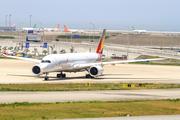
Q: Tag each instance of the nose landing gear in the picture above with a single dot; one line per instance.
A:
(46, 78)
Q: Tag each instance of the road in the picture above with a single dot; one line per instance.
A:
(107, 95)
(156, 117)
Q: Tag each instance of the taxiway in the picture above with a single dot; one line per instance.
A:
(106, 95)
(19, 72)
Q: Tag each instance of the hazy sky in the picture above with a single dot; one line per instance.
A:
(151, 15)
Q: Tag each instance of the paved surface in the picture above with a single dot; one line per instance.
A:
(158, 117)
(111, 95)
(18, 71)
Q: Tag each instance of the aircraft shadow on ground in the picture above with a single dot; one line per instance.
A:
(115, 74)
(24, 75)
(99, 78)
(83, 77)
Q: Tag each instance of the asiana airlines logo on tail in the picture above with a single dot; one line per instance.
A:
(101, 43)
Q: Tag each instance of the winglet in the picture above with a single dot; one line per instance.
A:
(101, 43)
(65, 29)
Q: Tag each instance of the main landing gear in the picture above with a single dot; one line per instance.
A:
(89, 76)
(61, 75)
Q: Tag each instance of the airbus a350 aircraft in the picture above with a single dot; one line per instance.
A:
(74, 62)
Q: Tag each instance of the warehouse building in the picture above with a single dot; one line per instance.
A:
(7, 28)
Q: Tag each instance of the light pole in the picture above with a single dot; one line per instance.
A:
(163, 39)
(40, 24)
(30, 20)
(93, 30)
(21, 34)
(89, 42)
(42, 29)
(6, 20)
(10, 20)
(127, 42)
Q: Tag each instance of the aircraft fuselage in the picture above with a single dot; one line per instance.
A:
(65, 62)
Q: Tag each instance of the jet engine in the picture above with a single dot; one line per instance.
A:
(37, 70)
(95, 71)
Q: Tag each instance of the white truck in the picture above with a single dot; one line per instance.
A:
(34, 38)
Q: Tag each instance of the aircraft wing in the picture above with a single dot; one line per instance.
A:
(126, 61)
(81, 66)
(22, 58)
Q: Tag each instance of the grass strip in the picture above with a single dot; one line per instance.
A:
(6, 37)
(82, 87)
(5, 58)
(91, 109)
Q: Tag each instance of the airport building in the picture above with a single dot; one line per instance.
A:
(7, 28)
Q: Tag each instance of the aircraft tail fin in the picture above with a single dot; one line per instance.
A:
(57, 26)
(133, 28)
(65, 29)
(101, 43)
(34, 26)
(14, 25)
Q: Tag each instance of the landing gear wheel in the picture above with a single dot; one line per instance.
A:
(63, 75)
(88, 76)
(46, 78)
(58, 75)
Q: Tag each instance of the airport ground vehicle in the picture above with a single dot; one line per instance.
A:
(34, 38)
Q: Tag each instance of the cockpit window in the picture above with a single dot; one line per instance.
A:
(45, 61)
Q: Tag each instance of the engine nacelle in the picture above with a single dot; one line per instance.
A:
(96, 71)
(37, 70)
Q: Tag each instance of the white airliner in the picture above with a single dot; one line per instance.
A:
(33, 28)
(72, 30)
(52, 29)
(139, 31)
(74, 62)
